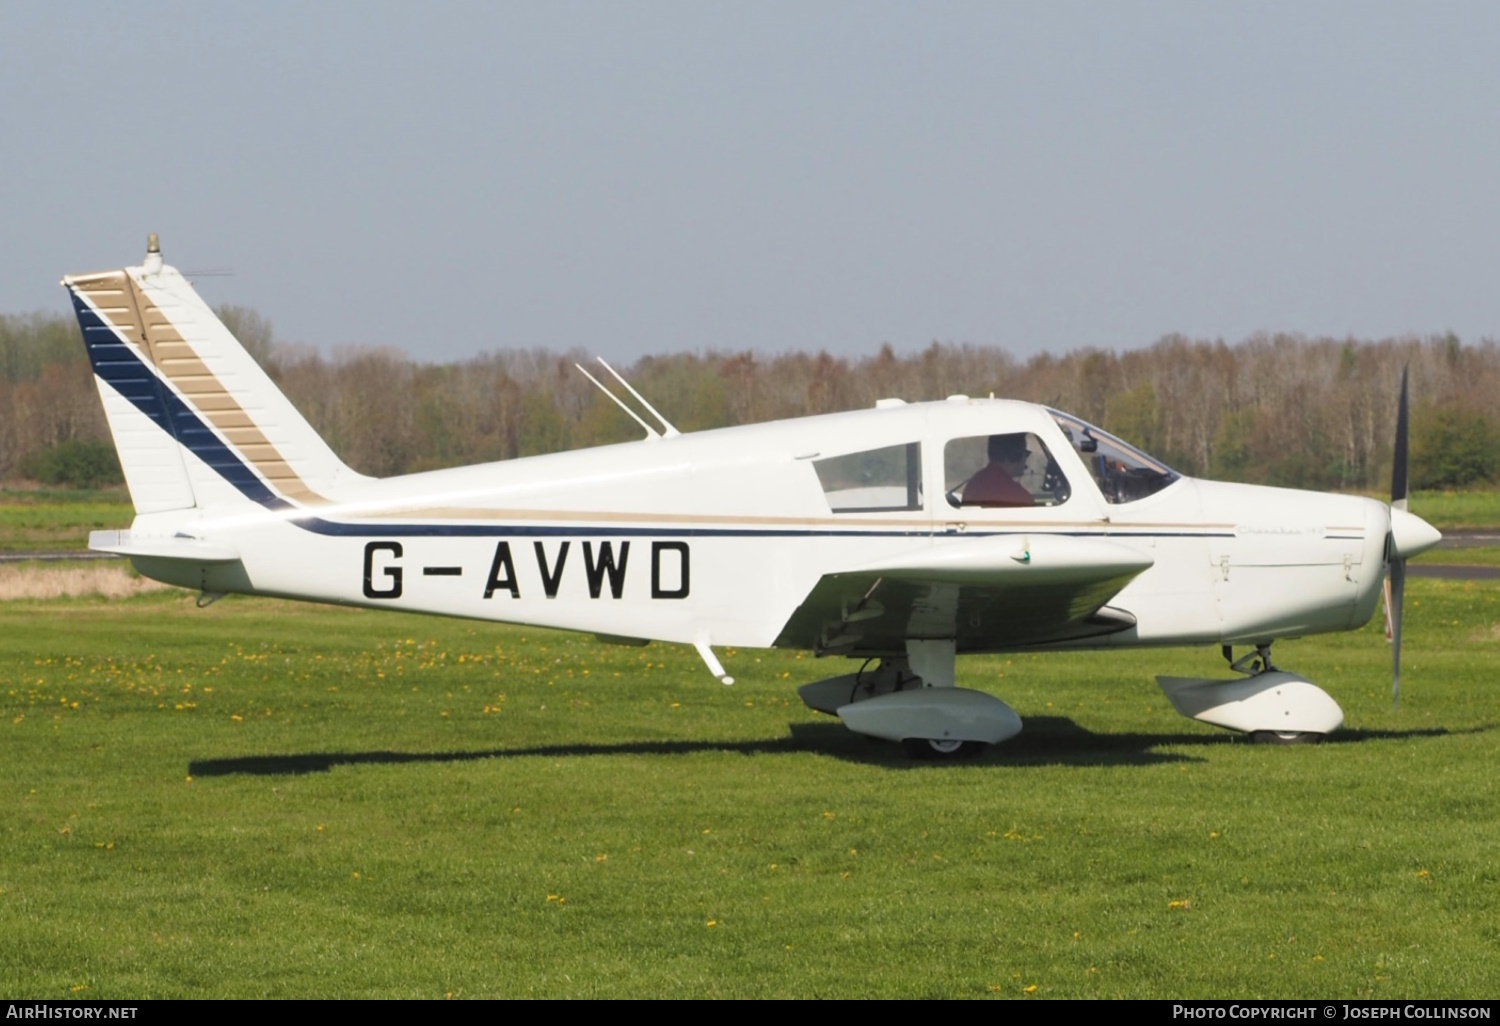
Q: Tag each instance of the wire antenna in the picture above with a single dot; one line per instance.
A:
(651, 432)
(669, 431)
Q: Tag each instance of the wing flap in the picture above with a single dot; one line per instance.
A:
(988, 594)
(1018, 559)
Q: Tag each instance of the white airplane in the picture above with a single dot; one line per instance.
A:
(904, 535)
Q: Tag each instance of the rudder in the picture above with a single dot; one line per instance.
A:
(196, 420)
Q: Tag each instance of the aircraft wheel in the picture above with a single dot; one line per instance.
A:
(941, 750)
(1285, 737)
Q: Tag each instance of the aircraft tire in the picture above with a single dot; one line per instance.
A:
(1285, 737)
(935, 750)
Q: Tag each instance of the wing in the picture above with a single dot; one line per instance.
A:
(988, 594)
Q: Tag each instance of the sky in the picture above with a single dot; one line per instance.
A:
(646, 178)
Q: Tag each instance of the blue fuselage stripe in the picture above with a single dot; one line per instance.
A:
(318, 525)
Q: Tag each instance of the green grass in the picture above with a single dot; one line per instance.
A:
(1478, 555)
(1448, 510)
(41, 520)
(264, 799)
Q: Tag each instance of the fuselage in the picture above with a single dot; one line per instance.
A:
(720, 536)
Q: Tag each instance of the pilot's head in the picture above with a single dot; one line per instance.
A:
(1008, 450)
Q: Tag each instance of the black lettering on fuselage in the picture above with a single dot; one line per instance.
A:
(392, 572)
(553, 577)
(679, 592)
(606, 566)
(502, 561)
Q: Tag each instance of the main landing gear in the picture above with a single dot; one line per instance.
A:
(912, 699)
(933, 750)
(1269, 704)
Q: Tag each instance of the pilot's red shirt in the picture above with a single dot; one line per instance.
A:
(992, 486)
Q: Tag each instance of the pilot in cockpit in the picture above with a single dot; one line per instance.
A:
(998, 483)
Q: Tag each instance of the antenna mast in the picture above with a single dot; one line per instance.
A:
(668, 431)
(651, 432)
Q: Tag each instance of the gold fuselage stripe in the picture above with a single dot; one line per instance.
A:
(940, 525)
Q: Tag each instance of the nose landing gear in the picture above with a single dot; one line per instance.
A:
(1271, 705)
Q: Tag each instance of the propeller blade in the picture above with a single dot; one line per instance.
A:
(1398, 591)
(1397, 578)
(1398, 465)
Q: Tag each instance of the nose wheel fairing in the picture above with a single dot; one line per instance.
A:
(1272, 702)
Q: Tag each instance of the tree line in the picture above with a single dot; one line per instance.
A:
(1279, 409)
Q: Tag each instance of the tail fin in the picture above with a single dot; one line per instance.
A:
(195, 419)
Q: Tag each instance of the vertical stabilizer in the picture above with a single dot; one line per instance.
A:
(196, 420)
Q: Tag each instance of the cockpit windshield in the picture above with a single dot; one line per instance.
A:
(1123, 472)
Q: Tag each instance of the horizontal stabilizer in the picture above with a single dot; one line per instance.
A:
(123, 543)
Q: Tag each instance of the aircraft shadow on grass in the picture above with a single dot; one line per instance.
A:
(1047, 740)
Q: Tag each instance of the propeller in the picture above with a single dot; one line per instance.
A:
(1409, 535)
(1397, 576)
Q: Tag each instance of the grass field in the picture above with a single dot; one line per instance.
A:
(262, 799)
(1447, 510)
(1479, 555)
(41, 520)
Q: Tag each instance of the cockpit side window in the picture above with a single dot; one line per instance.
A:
(1002, 471)
(1123, 472)
(874, 481)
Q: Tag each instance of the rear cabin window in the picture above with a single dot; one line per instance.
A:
(873, 481)
(1002, 471)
